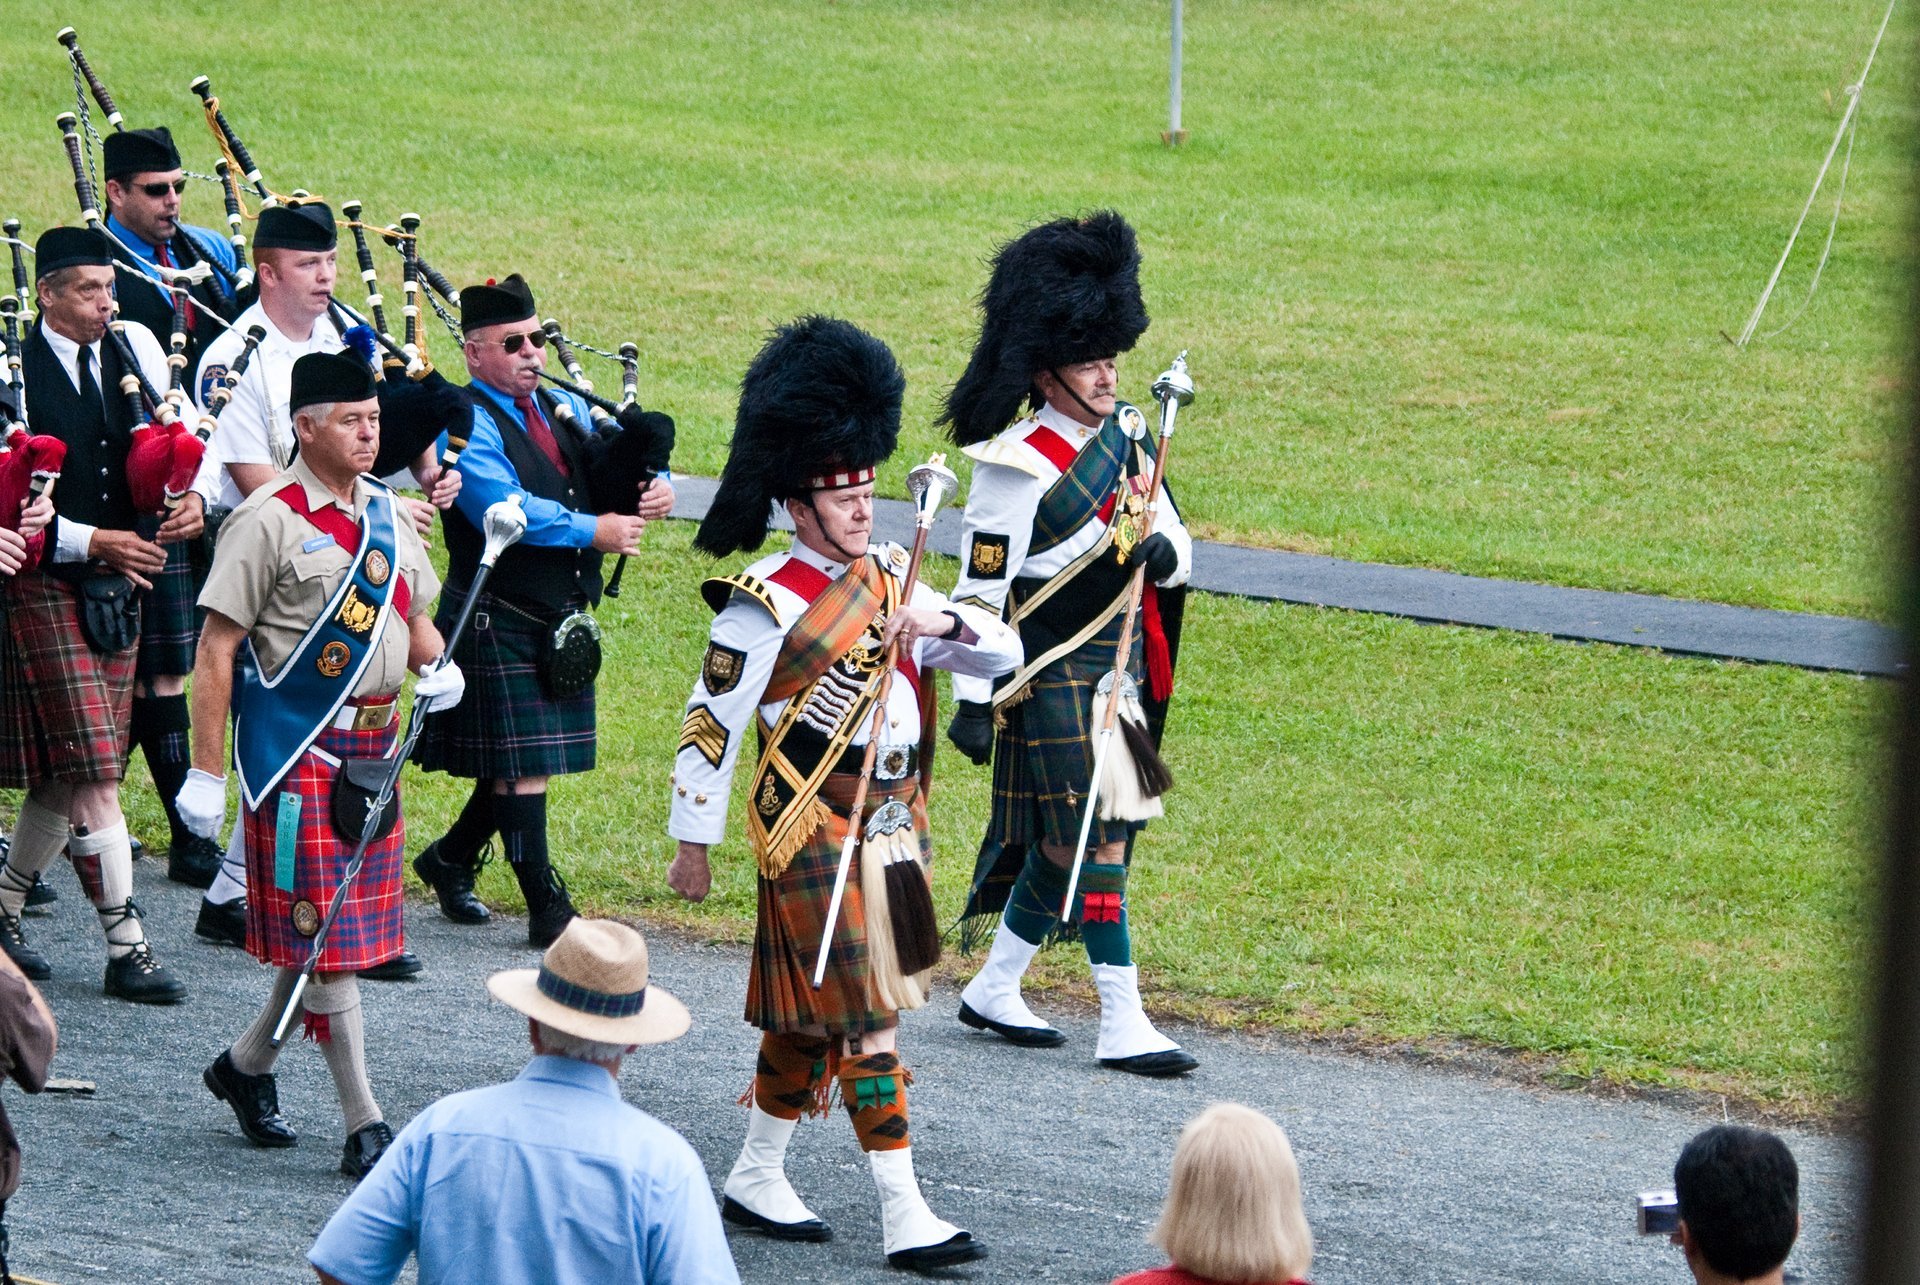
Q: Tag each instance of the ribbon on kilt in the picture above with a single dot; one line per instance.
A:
(279, 717)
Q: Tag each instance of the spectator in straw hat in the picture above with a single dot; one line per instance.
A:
(549, 1177)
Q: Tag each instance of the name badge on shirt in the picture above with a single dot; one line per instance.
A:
(318, 542)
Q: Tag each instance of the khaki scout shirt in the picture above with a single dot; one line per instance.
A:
(274, 572)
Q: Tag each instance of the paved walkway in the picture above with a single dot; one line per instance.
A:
(1443, 597)
(1412, 1174)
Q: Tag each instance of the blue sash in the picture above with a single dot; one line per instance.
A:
(279, 717)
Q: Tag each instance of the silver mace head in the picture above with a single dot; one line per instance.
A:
(1175, 384)
(505, 521)
(931, 483)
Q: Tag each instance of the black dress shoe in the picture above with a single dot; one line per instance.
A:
(14, 942)
(224, 924)
(194, 861)
(962, 1248)
(138, 848)
(139, 978)
(549, 908)
(39, 897)
(1027, 1037)
(364, 1149)
(1169, 1062)
(255, 1100)
(452, 884)
(811, 1229)
(400, 968)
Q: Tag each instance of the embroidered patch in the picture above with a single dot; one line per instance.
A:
(306, 919)
(378, 568)
(211, 377)
(722, 668)
(704, 733)
(987, 560)
(333, 659)
(355, 616)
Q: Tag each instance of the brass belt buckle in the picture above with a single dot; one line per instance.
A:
(371, 718)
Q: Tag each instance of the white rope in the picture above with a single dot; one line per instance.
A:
(1846, 124)
(1826, 251)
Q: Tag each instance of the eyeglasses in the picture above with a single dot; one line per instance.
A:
(158, 190)
(511, 344)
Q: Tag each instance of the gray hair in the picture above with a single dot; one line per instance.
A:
(561, 1044)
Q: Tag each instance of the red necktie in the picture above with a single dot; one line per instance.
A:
(542, 434)
(166, 261)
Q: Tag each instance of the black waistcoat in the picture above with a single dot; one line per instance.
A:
(545, 580)
(93, 482)
(146, 301)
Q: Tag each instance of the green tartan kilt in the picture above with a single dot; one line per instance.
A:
(1043, 756)
(169, 620)
(793, 913)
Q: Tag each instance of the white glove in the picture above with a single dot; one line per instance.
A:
(440, 687)
(202, 802)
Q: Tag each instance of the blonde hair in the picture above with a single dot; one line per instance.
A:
(1233, 1208)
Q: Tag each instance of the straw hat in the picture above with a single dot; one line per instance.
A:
(592, 983)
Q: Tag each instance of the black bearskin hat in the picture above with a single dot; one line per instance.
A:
(819, 407)
(1064, 292)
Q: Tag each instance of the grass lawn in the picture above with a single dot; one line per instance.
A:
(1642, 866)
(1453, 276)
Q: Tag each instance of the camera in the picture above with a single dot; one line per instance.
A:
(1657, 1213)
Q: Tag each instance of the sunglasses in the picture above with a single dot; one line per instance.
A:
(511, 344)
(158, 190)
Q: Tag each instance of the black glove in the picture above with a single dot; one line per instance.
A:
(657, 428)
(1159, 555)
(971, 730)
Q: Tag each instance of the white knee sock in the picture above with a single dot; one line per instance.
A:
(344, 1045)
(104, 861)
(253, 1053)
(230, 883)
(38, 836)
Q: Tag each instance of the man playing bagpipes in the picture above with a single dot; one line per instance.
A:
(1056, 524)
(321, 578)
(801, 651)
(533, 651)
(144, 182)
(295, 252)
(74, 621)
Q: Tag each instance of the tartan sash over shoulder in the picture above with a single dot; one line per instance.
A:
(830, 666)
(1084, 489)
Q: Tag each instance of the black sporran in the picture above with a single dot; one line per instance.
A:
(355, 788)
(570, 656)
(109, 613)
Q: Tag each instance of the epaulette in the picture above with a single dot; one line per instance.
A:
(718, 590)
(1008, 448)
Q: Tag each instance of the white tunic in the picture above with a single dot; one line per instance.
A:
(255, 428)
(744, 626)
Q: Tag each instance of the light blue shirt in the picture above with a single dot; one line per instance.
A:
(208, 242)
(487, 475)
(548, 1177)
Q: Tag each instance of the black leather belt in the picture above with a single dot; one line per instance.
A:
(890, 762)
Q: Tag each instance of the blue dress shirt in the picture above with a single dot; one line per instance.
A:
(487, 475)
(209, 243)
(549, 1177)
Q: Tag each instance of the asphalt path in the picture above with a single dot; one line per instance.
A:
(1413, 1173)
(1676, 625)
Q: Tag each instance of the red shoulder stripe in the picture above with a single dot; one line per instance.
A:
(1059, 451)
(799, 577)
(344, 530)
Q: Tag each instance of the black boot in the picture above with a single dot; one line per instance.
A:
(223, 924)
(255, 1100)
(364, 1149)
(193, 860)
(402, 967)
(452, 883)
(549, 908)
(14, 942)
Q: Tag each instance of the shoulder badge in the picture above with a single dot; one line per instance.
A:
(211, 377)
(987, 557)
(722, 668)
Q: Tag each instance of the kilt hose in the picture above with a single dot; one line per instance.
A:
(506, 728)
(793, 911)
(77, 703)
(368, 931)
(169, 620)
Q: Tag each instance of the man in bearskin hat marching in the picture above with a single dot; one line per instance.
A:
(797, 643)
(1056, 523)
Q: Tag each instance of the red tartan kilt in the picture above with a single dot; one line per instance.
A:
(73, 720)
(369, 930)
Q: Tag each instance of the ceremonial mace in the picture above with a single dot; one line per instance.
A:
(504, 523)
(1174, 389)
(930, 484)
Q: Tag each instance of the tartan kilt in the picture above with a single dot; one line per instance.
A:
(506, 728)
(79, 703)
(1043, 756)
(369, 930)
(18, 731)
(793, 912)
(169, 620)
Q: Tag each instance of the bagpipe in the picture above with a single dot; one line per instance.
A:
(29, 464)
